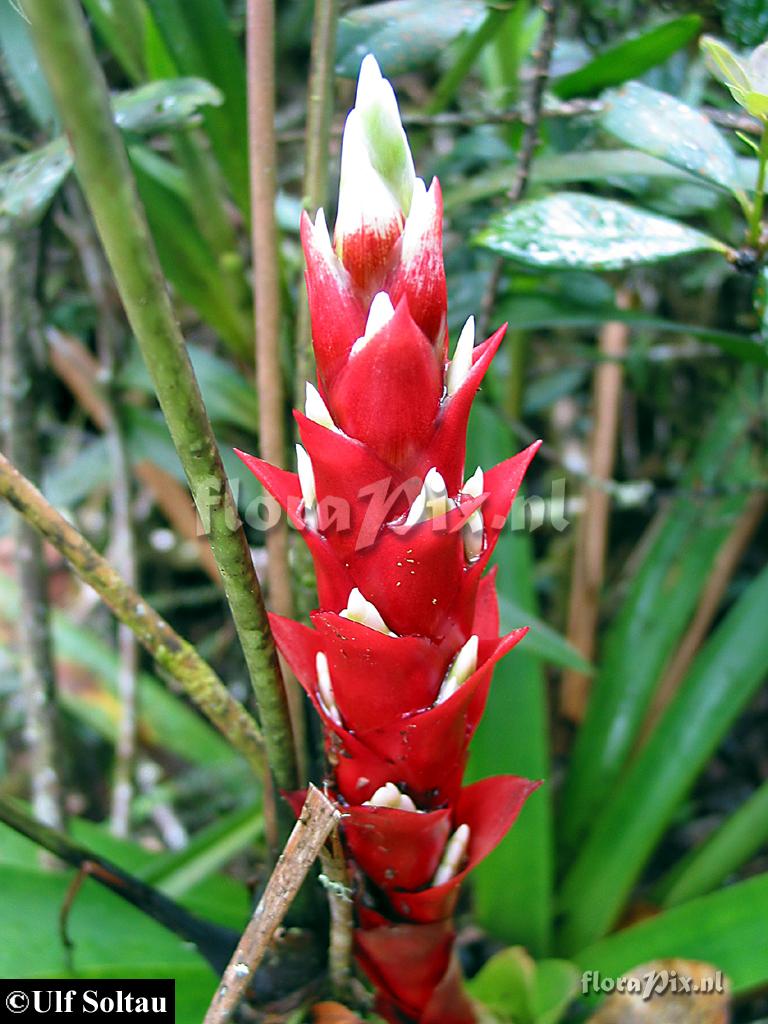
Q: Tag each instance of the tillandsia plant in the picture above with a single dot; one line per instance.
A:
(399, 658)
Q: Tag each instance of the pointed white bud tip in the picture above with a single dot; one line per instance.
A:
(380, 313)
(388, 148)
(473, 488)
(325, 688)
(461, 364)
(315, 408)
(454, 855)
(365, 612)
(462, 667)
(432, 500)
(322, 235)
(306, 479)
(390, 796)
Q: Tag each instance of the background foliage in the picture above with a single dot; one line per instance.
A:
(631, 276)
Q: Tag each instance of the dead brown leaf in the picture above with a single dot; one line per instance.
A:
(670, 992)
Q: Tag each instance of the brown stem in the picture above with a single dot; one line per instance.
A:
(530, 115)
(17, 373)
(317, 820)
(592, 534)
(342, 916)
(266, 289)
(727, 561)
(318, 133)
(174, 655)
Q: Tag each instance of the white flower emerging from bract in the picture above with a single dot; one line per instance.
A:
(306, 478)
(462, 667)
(316, 410)
(389, 795)
(380, 313)
(325, 688)
(365, 612)
(454, 855)
(432, 500)
(474, 528)
(461, 364)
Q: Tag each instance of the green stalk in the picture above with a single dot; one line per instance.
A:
(80, 91)
(756, 219)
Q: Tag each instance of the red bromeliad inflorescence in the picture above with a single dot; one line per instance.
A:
(399, 657)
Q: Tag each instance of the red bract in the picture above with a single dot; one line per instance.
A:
(398, 660)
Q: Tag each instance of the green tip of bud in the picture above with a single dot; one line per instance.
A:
(747, 79)
(385, 138)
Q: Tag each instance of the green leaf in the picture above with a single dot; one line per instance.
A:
(229, 396)
(121, 26)
(165, 721)
(512, 888)
(20, 62)
(187, 258)
(574, 230)
(722, 680)
(200, 41)
(726, 929)
(402, 34)
(111, 938)
(661, 125)
(629, 59)
(159, 106)
(639, 641)
(738, 839)
(541, 640)
(29, 182)
(521, 990)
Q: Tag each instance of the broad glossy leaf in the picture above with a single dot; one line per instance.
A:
(629, 59)
(726, 929)
(521, 990)
(512, 889)
(111, 938)
(29, 182)
(403, 34)
(661, 125)
(574, 230)
(724, 677)
(621, 167)
(158, 106)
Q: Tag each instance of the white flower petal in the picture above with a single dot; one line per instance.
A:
(454, 855)
(461, 364)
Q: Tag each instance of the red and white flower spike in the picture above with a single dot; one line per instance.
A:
(398, 660)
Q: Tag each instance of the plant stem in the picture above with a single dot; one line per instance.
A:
(317, 819)
(756, 220)
(213, 941)
(173, 654)
(68, 60)
(317, 135)
(530, 116)
(266, 291)
(33, 633)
